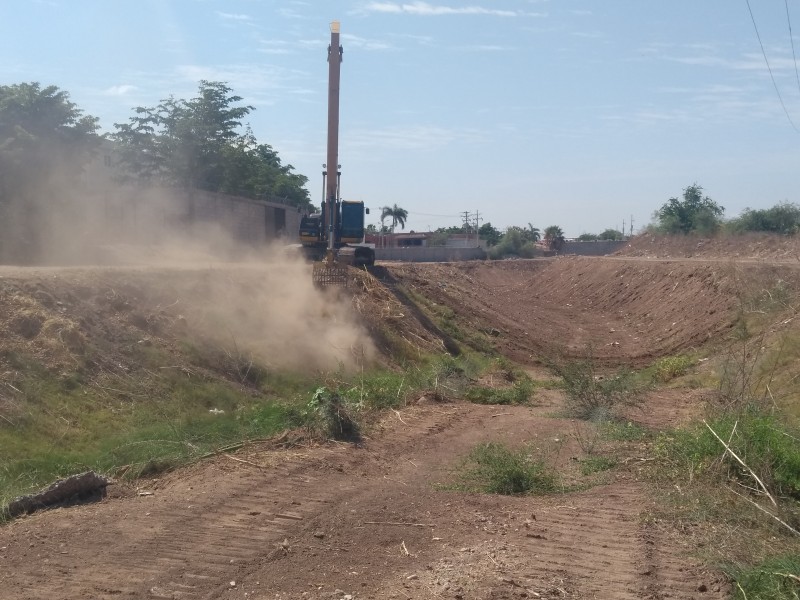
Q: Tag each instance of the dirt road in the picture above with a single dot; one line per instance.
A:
(368, 522)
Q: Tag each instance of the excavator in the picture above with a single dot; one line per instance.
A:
(334, 237)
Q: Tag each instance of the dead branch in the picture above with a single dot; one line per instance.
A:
(764, 510)
(394, 480)
(247, 462)
(741, 462)
(397, 412)
(788, 575)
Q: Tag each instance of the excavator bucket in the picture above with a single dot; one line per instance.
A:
(329, 274)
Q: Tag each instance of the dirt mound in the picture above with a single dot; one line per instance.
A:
(628, 311)
(92, 320)
(748, 246)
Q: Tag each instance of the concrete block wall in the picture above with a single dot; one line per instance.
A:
(599, 248)
(430, 254)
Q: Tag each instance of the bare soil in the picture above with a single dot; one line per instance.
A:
(371, 522)
(381, 519)
(622, 311)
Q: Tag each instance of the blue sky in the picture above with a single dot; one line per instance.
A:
(566, 112)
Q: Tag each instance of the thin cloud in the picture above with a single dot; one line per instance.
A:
(275, 47)
(592, 35)
(485, 48)
(234, 16)
(261, 85)
(367, 44)
(119, 90)
(426, 9)
(417, 137)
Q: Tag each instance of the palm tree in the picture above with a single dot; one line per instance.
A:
(533, 233)
(398, 215)
(554, 237)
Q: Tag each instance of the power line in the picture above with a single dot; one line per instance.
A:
(429, 215)
(772, 76)
(791, 39)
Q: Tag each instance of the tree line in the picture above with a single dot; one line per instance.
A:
(46, 141)
(696, 213)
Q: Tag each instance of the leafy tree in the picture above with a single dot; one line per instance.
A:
(588, 237)
(694, 213)
(45, 141)
(554, 237)
(255, 170)
(397, 214)
(490, 234)
(782, 218)
(196, 143)
(611, 234)
(516, 241)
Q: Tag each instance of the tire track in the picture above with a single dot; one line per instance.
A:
(369, 521)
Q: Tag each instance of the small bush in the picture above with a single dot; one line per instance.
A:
(775, 579)
(496, 469)
(519, 393)
(594, 397)
(330, 415)
(670, 367)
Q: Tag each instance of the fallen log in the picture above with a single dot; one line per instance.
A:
(80, 487)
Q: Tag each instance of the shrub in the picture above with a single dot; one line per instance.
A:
(519, 393)
(594, 397)
(783, 218)
(670, 367)
(330, 416)
(496, 469)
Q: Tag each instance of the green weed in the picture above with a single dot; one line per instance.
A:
(115, 426)
(775, 579)
(496, 469)
(518, 393)
(596, 464)
(670, 367)
(766, 445)
(623, 432)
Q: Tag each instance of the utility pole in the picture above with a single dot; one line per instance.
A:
(631, 235)
(465, 215)
(623, 228)
(478, 220)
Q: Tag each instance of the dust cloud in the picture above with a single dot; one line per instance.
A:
(205, 256)
(270, 313)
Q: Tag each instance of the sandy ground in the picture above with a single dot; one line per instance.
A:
(372, 521)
